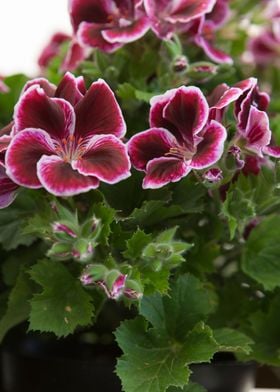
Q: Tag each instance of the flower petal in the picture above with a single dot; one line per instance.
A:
(90, 35)
(211, 148)
(127, 34)
(69, 88)
(188, 111)
(213, 53)
(186, 10)
(58, 177)
(219, 14)
(162, 171)
(257, 132)
(36, 110)
(24, 152)
(74, 56)
(220, 98)
(273, 151)
(52, 49)
(150, 144)
(8, 189)
(106, 158)
(99, 113)
(48, 87)
(95, 11)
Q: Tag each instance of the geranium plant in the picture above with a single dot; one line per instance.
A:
(141, 169)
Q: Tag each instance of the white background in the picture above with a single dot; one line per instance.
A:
(25, 27)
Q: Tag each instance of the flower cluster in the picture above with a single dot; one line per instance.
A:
(108, 25)
(67, 139)
(264, 46)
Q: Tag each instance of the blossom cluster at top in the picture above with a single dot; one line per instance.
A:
(67, 139)
(264, 46)
(110, 24)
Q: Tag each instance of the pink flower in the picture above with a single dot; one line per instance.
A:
(68, 143)
(108, 25)
(251, 96)
(167, 15)
(179, 139)
(52, 49)
(74, 56)
(265, 47)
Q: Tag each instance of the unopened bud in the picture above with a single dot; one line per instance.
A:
(60, 251)
(213, 175)
(133, 290)
(62, 228)
(180, 64)
(202, 70)
(82, 250)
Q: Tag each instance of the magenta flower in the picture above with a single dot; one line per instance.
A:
(265, 47)
(220, 98)
(167, 15)
(179, 139)
(251, 96)
(108, 25)
(67, 143)
(52, 49)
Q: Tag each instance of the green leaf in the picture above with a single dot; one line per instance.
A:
(107, 215)
(149, 364)
(177, 314)
(8, 100)
(153, 212)
(232, 340)
(136, 244)
(18, 306)
(127, 91)
(156, 357)
(261, 253)
(62, 305)
(191, 387)
(14, 219)
(265, 327)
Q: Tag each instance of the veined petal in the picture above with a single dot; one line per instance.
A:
(90, 35)
(186, 10)
(219, 14)
(162, 171)
(48, 87)
(95, 11)
(36, 110)
(69, 88)
(105, 158)
(257, 132)
(59, 178)
(24, 152)
(158, 104)
(8, 189)
(213, 53)
(127, 34)
(211, 148)
(273, 151)
(221, 97)
(188, 111)
(150, 144)
(99, 113)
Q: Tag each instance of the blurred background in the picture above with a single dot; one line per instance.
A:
(25, 27)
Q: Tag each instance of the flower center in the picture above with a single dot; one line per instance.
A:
(181, 152)
(70, 149)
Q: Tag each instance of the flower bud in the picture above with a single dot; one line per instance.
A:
(62, 228)
(115, 282)
(180, 64)
(133, 290)
(202, 70)
(213, 175)
(82, 250)
(60, 250)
